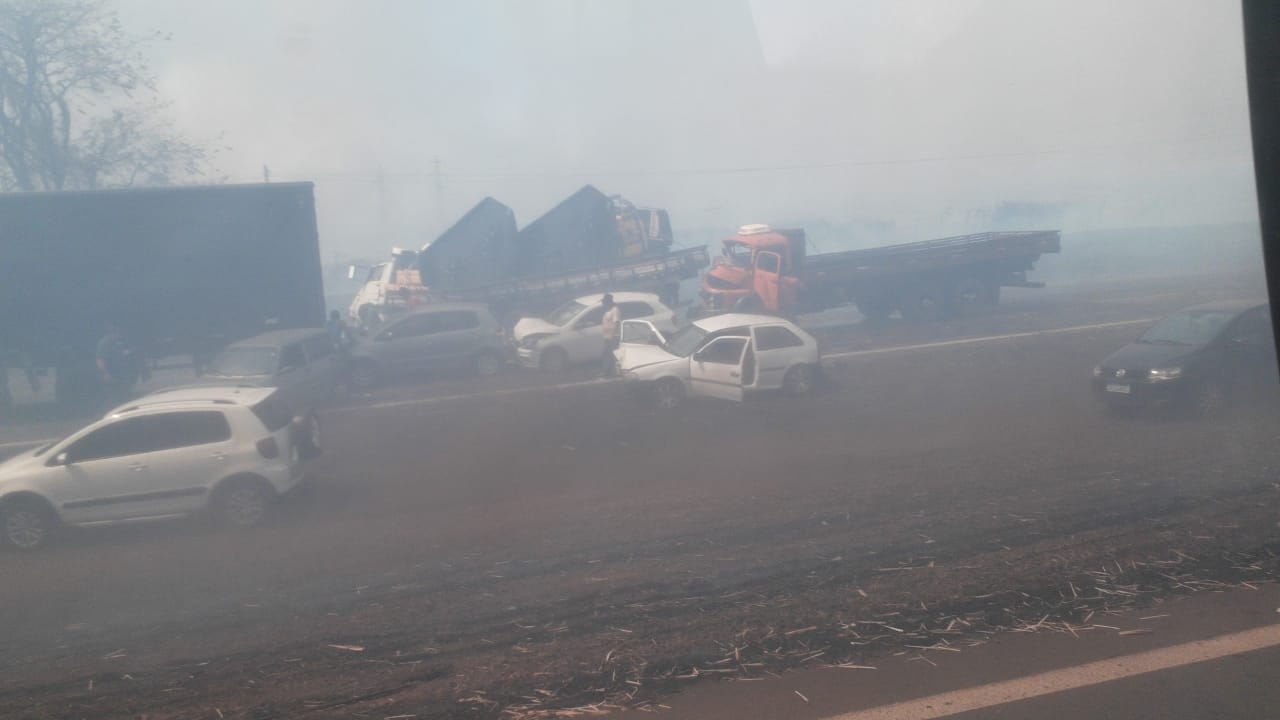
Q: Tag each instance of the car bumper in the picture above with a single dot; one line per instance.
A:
(1142, 393)
(528, 357)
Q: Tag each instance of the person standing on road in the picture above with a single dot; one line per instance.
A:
(337, 330)
(117, 366)
(611, 327)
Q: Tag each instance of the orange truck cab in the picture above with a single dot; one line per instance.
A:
(760, 269)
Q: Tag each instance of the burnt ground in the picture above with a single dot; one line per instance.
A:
(556, 548)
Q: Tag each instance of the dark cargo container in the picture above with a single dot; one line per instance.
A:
(579, 233)
(478, 250)
(180, 270)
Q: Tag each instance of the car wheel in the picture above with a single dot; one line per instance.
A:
(554, 360)
(668, 393)
(364, 374)
(27, 524)
(487, 364)
(799, 380)
(243, 503)
(1210, 400)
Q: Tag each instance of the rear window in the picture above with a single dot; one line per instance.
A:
(453, 320)
(631, 310)
(273, 412)
(773, 337)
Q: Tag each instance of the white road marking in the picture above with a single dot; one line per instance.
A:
(1001, 693)
(600, 381)
(987, 338)
(465, 396)
(830, 356)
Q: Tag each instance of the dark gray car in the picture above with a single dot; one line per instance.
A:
(445, 336)
(304, 364)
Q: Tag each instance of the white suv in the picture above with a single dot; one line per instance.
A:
(230, 450)
(571, 335)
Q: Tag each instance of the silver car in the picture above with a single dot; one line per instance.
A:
(303, 364)
(445, 336)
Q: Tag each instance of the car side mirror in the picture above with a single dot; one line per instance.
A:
(61, 459)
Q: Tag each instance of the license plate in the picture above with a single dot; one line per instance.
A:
(1123, 389)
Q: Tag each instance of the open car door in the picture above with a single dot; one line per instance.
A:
(715, 370)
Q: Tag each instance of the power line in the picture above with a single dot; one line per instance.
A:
(435, 175)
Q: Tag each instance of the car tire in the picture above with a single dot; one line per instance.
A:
(800, 380)
(243, 502)
(1209, 400)
(27, 524)
(554, 360)
(487, 364)
(364, 374)
(668, 393)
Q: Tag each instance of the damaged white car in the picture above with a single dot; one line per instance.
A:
(723, 356)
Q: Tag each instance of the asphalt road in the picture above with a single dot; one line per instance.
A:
(469, 548)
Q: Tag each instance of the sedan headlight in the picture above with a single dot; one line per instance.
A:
(1168, 373)
(531, 341)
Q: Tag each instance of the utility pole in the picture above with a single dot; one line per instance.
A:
(266, 174)
(439, 213)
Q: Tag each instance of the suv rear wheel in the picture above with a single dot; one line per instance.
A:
(243, 502)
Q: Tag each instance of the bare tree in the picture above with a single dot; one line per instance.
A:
(78, 106)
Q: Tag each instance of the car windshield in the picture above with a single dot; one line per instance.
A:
(1187, 328)
(564, 314)
(245, 360)
(686, 340)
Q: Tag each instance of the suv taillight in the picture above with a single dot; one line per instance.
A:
(268, 448)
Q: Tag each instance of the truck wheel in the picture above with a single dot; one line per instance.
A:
(554, 360)
(926, 304)
(875, 310)
(364, 374)
(971, 294)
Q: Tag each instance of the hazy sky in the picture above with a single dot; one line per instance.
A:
(906, 117)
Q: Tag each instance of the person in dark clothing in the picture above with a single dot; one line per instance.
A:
(117, 366)
(337, 329)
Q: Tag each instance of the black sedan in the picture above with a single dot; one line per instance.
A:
(1203, 357)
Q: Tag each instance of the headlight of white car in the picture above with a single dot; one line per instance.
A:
(531, 341)
(1168, 373)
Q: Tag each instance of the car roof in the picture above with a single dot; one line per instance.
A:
(716, 323)
(278, 337)
(620, 297)
(186, 398)
(1226, 306)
